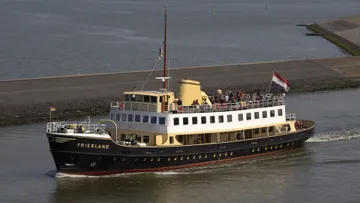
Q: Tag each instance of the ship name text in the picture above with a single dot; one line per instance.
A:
(94, 146)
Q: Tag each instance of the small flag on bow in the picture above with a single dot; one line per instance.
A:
(52, 108)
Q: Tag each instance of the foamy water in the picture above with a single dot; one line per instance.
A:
(338, 135)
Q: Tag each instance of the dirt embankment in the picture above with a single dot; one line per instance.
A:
(28, 100)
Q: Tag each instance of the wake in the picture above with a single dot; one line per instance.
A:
(337, 135)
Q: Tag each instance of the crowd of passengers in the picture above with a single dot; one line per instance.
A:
(239, 100)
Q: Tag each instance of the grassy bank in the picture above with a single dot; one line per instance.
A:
(71, 110)
(336, 40)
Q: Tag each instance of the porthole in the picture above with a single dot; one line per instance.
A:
(123, 159)
(214, 155)
(253, 150)
(100, 157)
(114, 159)
(231, 153)
(169, 159)
(152, 159)
(276, 147)
(92, 164)
(187, 158)
(200, 156)
(288, 144)
(175, 158)
(258, 149)
(281, 146)
(144, 159)
(225, 153)
(205, 156)
(266, 148)
(271, 147)
(181, 158)
(137, 159)
(220, 155)
(194, 157)
(158, 159)
(292, 143)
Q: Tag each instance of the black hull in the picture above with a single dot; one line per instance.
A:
(82, 156)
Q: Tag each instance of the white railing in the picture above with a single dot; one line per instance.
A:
(75, 127)
(204, 108)
(134, 106)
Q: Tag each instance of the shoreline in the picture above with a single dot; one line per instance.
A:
(100, 106)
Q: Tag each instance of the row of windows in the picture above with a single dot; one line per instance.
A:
(229, 118)
(139, 118)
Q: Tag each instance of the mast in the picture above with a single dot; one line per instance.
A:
(165, 46)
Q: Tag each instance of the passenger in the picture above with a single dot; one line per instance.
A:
(226, 98)
(179, 102)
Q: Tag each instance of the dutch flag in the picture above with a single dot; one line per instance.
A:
(281, 82)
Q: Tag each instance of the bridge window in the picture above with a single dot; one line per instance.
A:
(272, 113)
(139, 98)
(130, 117)
(162, 120)
(212, 119)
(240, 117)
(153, 99)
(123, 117)
(203, 119)
(133, 97)
(221, 119)
(145, 119)
(229, 118)
(146, 98)
(248, 116)
(185, 120)
(127, 97)
(256, 115)
(118, 117)
(280, 112)
(137, 118)
(264, 114)
(194, 120)
(153, 119)
(176, 121)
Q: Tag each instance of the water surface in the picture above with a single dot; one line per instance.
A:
(324, 171)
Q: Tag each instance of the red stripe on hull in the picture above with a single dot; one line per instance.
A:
(101, 173)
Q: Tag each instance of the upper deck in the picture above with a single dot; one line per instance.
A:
(154, 104)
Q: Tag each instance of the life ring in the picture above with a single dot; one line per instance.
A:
(120, 106)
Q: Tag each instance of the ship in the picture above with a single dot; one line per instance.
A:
(151, 131)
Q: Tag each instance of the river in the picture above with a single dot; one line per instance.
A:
(48, 38)
(43, 38)
(326, 170)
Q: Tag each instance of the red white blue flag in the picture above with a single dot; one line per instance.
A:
(281, 82)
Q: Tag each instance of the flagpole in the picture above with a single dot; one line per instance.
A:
(271, 81)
